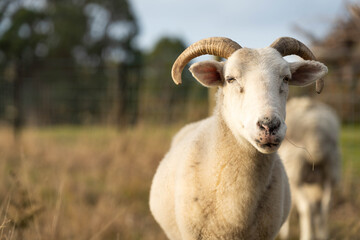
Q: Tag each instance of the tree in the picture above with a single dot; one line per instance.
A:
(19, 48)
(170, 102)
(339, 51)
(64, 49)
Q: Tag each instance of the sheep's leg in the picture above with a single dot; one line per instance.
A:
(321, 231)
(304, 209)
(284, 233)
(285, 229)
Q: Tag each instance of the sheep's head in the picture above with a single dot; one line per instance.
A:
(254, 84)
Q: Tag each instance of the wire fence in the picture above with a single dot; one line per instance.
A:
(96, 98)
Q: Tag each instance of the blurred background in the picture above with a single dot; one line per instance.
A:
(88, 107)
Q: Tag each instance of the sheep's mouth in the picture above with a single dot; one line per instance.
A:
(268, 145)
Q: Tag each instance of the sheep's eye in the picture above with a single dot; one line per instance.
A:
(286, 79)
(230, 79)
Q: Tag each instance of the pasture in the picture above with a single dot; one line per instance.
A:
(91, 182)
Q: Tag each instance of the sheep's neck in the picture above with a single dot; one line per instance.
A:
(239, 152)
(239, 174)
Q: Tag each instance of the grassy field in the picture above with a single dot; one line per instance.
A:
(93, 183)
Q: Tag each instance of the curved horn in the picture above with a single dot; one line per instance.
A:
(288, 46)
(217, 46)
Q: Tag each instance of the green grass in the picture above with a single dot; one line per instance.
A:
(350, 146)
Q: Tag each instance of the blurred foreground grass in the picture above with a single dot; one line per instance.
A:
(93, 183)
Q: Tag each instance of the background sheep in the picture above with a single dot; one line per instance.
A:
(312, 160)
(222, 178)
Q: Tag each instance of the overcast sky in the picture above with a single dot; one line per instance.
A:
(252, 23)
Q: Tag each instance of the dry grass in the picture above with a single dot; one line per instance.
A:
(93, 183)
(79, 183)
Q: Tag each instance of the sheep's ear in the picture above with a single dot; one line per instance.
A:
(208, 73)
(306, 72)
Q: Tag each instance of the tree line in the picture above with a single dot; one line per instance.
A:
(76, 62)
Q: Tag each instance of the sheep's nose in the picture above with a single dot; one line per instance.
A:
(269, 125)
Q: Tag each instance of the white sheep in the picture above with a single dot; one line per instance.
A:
(312, 161)
(222, 177)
